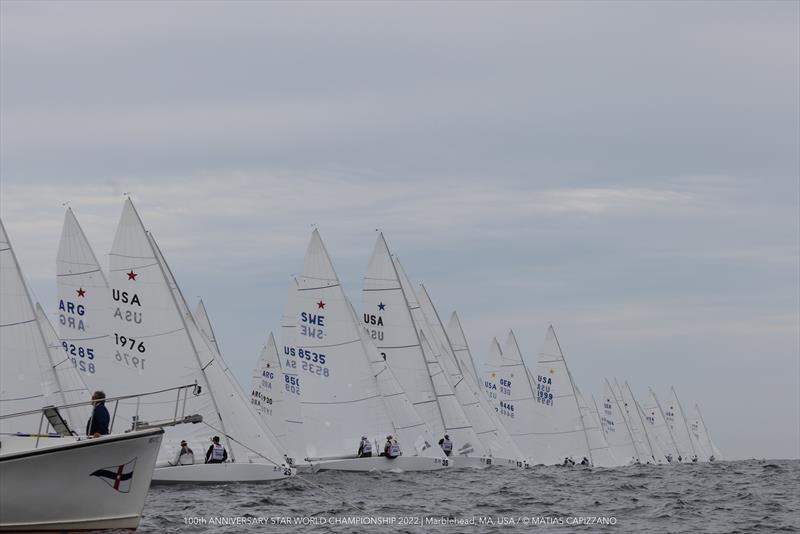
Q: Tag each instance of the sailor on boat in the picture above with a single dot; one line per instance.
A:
(391, 449)
(216, 453)
(364, 448)
(446, 445)
(98, 424)
(669, 457)
(185, 455)
(694, 458)
(568, 462)
(585, 461)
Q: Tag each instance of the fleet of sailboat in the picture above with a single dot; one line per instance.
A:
(392, 388)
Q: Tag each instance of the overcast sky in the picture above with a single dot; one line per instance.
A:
(627, 171)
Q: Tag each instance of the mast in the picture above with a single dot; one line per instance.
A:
(574, 395)
(601, 419)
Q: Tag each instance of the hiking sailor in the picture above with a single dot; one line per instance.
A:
(364, 448)
(446, 445)
(216, 453)
(185, 455)
(391, 449)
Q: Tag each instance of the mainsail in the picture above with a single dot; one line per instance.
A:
(84, 304)
(559, 424)
(618, 434)
(509, 388)
(34, 374)
(601, 453)
(476, 405)
(395, 323)
(339, 397)
(159, 346)
(679, 427)
(267, 391)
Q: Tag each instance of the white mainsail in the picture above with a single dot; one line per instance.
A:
(267, 392)
(679, 427)
(510, 390)
(159, 346)
(62, 376)
(656, 427)
(715, 454)
(476, 406)
(27, 381)
(296, 442)
(701, 445)
(618, 434)
(251, 440)
(395, 323)
(84, 309)
(648, 451)
(204, 323)
(458, 341)
(339, 397)
(560, 429)
(409, 425)
(601, 453)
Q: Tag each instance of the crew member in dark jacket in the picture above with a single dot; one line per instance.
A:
(216, 453)
(98, 424)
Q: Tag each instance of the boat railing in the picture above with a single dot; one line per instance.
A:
(51, 416)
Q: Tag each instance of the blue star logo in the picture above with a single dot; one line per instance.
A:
(381, 306)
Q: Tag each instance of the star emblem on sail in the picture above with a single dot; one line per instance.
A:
(118, 477)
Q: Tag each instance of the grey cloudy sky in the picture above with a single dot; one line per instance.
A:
(627, 171)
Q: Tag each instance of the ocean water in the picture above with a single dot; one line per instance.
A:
(724, 497)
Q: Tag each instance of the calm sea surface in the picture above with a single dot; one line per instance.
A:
(725, 497)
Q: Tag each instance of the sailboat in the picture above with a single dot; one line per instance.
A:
(336, 381)
(679, 427)
(157, 344)
(615, 425)
(560, 430)
(396, 324)
(647, 449)
(599, 449)
(476, 406)
(267, 395)
(42, 457)
(705, 437)
(657, 427)
(510, 390)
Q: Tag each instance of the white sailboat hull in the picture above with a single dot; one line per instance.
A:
(69, 485)
(224, 473)
(381, 463)
(509, 462)
(469, 462)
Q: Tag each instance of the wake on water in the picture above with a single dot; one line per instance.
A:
(725, 497)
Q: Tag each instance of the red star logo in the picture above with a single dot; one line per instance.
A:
(132, 275)
(81, 292)
(321, 305)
